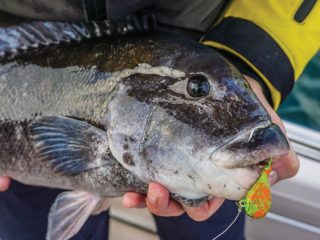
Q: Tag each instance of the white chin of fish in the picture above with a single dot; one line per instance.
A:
(230, 183)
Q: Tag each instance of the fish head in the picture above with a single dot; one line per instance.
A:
(191, 122)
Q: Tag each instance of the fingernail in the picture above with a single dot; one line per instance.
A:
(273, 177)
(153, 197)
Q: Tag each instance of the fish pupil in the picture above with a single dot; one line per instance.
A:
(198, 86)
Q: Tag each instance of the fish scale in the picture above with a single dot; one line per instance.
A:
(100, 117)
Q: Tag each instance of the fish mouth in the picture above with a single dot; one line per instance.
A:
(258, 167)
(252, 149)
(243, 158)
(240, 180)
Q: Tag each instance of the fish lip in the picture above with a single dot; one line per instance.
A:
(252, 173)
(255, 168)
(263, 125)
(244, 151)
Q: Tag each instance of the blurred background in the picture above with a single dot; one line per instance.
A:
(302, 106)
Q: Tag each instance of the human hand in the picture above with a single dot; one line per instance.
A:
(284, 167)
(4, 183)
(159, 203)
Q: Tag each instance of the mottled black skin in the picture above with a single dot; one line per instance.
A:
(13, 146)
(116, 54)
(228, 115)
(19, 156)
(86, 65)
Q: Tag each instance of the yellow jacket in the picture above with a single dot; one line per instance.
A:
(276, 39)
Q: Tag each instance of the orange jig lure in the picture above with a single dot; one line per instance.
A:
(257, 202)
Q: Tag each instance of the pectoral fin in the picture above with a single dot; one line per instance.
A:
(69, 213)
(69, 145)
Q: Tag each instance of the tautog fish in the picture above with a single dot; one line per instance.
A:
(103, 117)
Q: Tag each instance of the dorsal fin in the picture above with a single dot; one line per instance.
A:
(35, 34)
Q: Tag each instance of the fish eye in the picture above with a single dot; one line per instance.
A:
(198, 86)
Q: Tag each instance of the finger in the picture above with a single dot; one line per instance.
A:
(4, 183)
(134, 200)
(159, 202)
(203, 212)
(285, 167)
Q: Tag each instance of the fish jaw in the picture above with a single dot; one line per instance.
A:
(193, 174)
(207, 180)
(227, 183)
